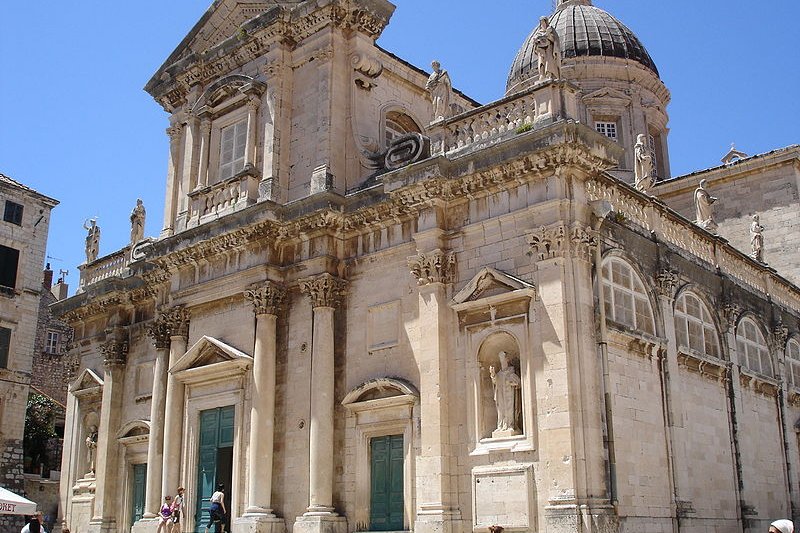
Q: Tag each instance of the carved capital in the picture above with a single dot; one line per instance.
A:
(780, 334)
(253, 103)
(176, 320)
(546, 243)
(432, 267)
(115, 352)
(667, 282)
(174, 132)
(583, 240)
(266, 299)
(205, 127)
(324, 290)
(160, 333)
(731, 312)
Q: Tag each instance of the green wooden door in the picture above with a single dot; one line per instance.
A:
(386, 484)
(213, 465)
(137, 492)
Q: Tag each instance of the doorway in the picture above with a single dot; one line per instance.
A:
(139, 477)
(386, 483)
(215, 461)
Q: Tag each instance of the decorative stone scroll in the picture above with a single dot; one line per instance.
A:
(115, 352)
(324, 290)
(406, 150)
(266, 299)
(432, 267)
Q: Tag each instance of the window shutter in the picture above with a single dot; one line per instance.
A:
(5, 346)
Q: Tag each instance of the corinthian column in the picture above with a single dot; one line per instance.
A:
(177, 322)
(326, 293)
(159, 331)
(114, 352)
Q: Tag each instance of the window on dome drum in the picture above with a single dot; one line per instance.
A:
(51, 343)
(609, 129)
(9, 259)
(626, 301)
(793, 360)
(694, 328)
(398, 124)
(233, 142)
(13, 213)
(654, 142)
(752, 348)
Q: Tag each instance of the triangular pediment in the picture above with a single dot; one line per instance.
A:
(733, 156)
(607, 94)
(490, 282)
(207, 352)
(87, 380)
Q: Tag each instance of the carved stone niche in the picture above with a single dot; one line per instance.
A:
(495, 315)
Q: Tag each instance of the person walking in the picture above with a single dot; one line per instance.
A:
(165, 516)
(177, 511)
(217, 510)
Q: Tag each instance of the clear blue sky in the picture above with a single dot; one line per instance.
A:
(76, 124)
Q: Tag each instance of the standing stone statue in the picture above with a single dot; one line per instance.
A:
(441, 88)
(137, 222)
(548, 51)
(506, 384)
(643, 166)
(91, 447)
(92, 239)
(757, 239)
(704, 210)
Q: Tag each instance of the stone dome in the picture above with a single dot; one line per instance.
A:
(583, 30)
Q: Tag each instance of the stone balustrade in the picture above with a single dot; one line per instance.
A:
(478, 128)
(110, 266)
(225, 197)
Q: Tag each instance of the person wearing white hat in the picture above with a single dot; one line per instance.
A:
(781, 526)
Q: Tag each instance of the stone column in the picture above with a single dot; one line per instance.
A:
(435, 491)
(253, 105)
(177, 320)
(326, 294)
(731, 313)
(258, 517)
(159, 331)
(103, 520)
(205, 150)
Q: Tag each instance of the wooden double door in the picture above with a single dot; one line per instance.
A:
(386, 483)
(215, 461)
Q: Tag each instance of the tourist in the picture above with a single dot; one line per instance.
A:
(177, 509)
(34, 525)
(216, 510)
(165, 516)
(781, 526)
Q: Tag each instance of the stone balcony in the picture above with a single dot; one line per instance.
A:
(114, 265)
(219, 199)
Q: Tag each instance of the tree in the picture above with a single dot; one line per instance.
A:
(39, 428)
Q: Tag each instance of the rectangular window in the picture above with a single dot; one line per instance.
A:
(233, 141)
(5, 346)
(51, 344)
(609, 129)
(9, 259)
(13, 213)
(653, 142)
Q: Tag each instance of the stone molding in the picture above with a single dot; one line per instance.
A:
(433, 267)
(115, 353)
(267, 299)
(714, 369)
(324, 291)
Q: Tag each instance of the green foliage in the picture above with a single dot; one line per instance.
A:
(524, 128)
(39, 427)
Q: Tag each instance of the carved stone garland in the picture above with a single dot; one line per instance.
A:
(324, 290)
(432, 267)
(267, 299)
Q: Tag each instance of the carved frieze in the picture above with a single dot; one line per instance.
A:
(432, 267)
(266, 299)
(324, 290)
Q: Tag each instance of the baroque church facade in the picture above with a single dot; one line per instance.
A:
(377, 305)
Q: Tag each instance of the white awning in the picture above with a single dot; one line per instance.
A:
(11, 503)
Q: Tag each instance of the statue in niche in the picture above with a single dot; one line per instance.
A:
(548, 51)
(91, 447)
(506, 398)
(643, 166)
(92, 239)
(757, 239)
(441, 88)
(704, 210)
(137, 222)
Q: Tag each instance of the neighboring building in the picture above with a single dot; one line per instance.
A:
(568, 353)
(23, 239)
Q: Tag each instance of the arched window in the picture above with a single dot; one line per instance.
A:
(752, 348)
(398, 124)
(694, 328)
(793, 362)
(626, 301)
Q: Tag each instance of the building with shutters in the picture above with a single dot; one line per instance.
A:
(23, 240)
(378, 305)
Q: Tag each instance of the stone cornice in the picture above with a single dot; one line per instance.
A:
(324, 290)
(267, 299)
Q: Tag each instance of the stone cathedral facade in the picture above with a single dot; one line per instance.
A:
(377, 305)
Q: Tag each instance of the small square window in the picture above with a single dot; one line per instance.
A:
(13, 213)
(609, 129)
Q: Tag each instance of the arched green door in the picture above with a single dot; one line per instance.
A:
(386, 483)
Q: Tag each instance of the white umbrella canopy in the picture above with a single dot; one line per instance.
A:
(11, 503)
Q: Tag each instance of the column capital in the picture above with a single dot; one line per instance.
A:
(160, 333)
(176, 321)
(324, 291)
(667, 281)
(267, 298)
(436, 266)
(115, 353)
(779, 337)
(254, 102)
(731, 311)
(174, 132)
